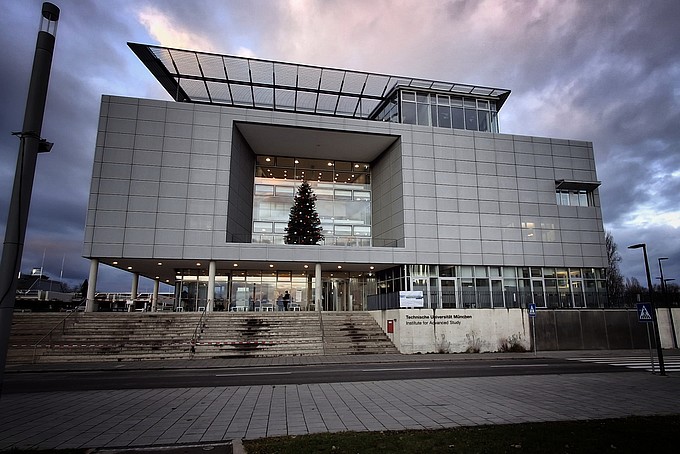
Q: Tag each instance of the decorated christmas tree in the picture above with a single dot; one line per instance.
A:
(304, 226)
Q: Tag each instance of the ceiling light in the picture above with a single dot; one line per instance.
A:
(297, 162)
(268, 159)
(306, 266)
(356, 166)
(198, 264)
(235, 264)
(330, 164)
(371, 267)
(160, 263)
(271, 266)
(129, 267)
(339, 267)
(115, 263)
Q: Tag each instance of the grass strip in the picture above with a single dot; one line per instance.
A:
(658, 434)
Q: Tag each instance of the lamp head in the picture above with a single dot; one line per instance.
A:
(663, 258)
(637, 246)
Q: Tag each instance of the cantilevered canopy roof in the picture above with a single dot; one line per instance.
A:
(200, 77)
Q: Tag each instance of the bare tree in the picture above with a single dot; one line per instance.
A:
(615, 285)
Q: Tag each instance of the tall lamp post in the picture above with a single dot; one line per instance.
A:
(30, 144)
(657, 338)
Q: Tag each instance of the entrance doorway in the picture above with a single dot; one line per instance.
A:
(334, 295)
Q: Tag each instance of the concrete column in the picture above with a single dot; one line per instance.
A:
(154, 297)
(133, 290)
(318, 287)
(212, 269)
(91, 285)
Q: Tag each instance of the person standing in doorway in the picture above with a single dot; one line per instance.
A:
(286, 300)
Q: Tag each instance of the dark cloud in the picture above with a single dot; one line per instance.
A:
(604, 71)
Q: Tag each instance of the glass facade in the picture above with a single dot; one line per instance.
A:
(343, 191)
(440, 110)
(577, 198)
(469, 287)
(253, 290)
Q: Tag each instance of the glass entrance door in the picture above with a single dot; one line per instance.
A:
(335, 295)
(448, 293)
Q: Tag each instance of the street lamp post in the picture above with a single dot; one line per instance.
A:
(657, 337)
(663, 282)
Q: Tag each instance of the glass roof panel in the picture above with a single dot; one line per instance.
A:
(186, 62)
(196, 88)
(332, 80)
(264, 97)
(347, 105)
(327, 103)
(308, 77)
(211, 65)
(285, 74)
(219, 92)
(262, 72)
(306, 101)
(241, 95)
(284, 99)
(237, 69)
(339, 92)
(354, 83)
(376, 85)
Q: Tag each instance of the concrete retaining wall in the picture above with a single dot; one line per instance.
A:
(454, 330)
(489, 330)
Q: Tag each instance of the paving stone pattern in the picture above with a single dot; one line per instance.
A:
(128, 418)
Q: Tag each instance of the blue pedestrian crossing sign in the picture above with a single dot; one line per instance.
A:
(644, 311)
(532, 310)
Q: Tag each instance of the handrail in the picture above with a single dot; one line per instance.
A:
(194, 338)
(62, 322)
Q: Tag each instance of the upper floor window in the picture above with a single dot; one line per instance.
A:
(440, 110)
(578, 198)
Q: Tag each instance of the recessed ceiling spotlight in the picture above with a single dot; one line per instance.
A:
(160, 263)
(339, 267)
(268, 159)
(330, 164)
(235, 264)
(129, 267)
(297, 162)
(306, 266)
(356, 166)
(271, 266)
(198, 264)
(115, 263)
(371, 267)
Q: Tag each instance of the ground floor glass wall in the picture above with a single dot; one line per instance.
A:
(256, 290)
(498, 286)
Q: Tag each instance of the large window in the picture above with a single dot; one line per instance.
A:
(441, 110)
(343, 192)
(578, 198)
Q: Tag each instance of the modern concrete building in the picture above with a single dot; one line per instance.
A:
(417, 190)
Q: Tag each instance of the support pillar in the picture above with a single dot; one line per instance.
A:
(212, 270)
(318, 287)
(92, 285)
(154, 297)
(133, 290)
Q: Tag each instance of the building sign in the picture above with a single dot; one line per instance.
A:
(408, 299)
(532, 310)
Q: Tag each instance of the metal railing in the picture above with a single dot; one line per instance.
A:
(61, 323)
(194, 337)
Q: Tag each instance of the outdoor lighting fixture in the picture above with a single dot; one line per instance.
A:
(657, 338)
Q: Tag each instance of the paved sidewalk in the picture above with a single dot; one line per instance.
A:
(145, 417)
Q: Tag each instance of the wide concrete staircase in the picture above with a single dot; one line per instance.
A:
(138, 336)
(354, 333)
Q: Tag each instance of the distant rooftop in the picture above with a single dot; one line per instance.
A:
(200, 77)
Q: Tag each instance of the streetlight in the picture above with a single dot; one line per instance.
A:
(659, 350)
(663, 282)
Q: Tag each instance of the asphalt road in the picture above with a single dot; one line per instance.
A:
(44, 381)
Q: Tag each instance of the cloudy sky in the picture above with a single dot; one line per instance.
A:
(606, 71)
